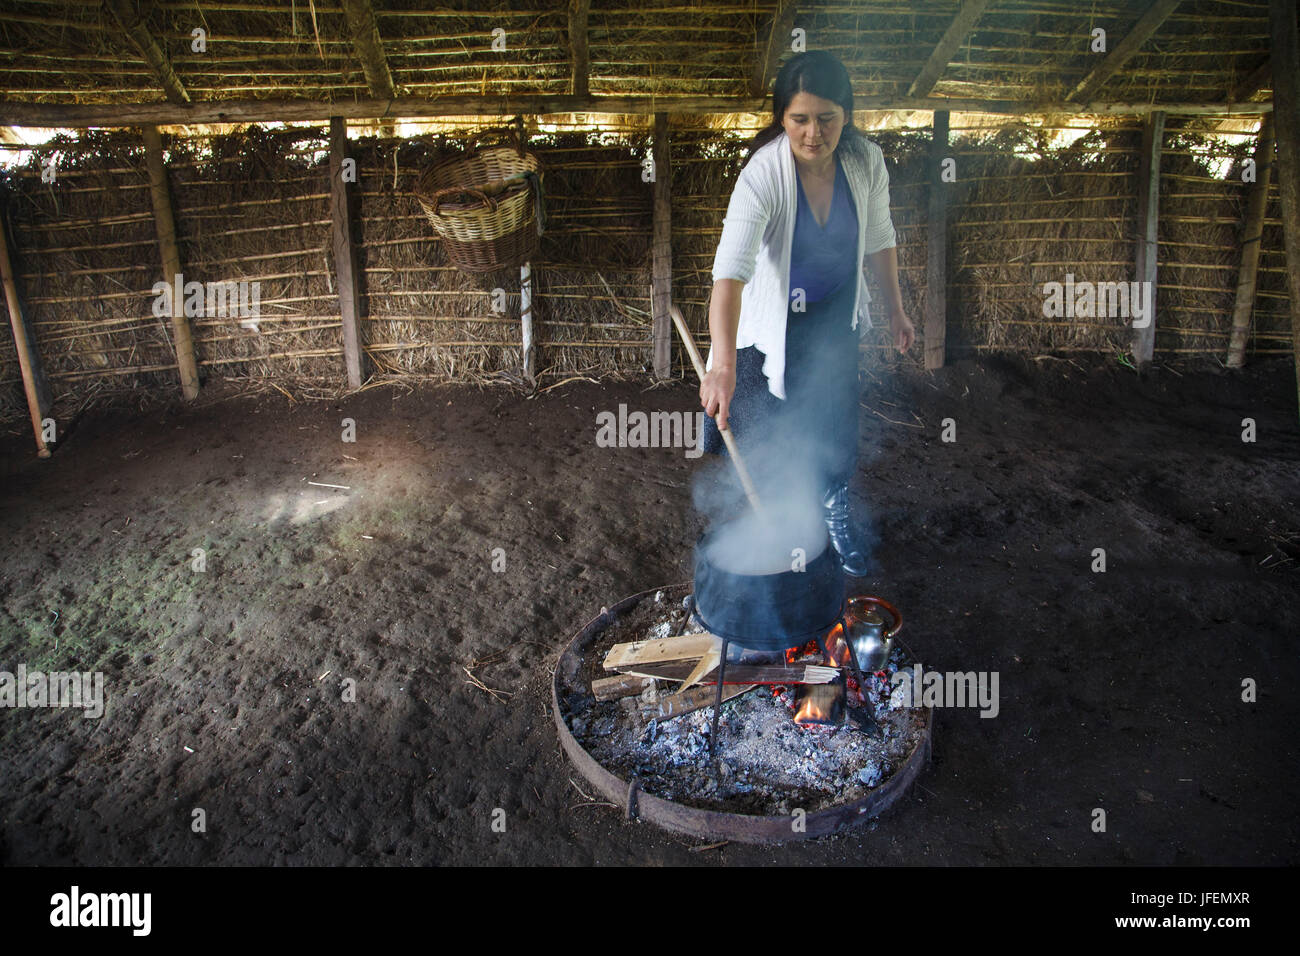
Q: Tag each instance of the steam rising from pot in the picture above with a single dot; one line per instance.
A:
(789, 529)
(787, 532)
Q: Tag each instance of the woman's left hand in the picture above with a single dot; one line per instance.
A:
(904, 333)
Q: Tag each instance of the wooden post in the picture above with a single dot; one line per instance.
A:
(579, 57)
(29, 362)
(1286, 120)
(526, 320)
(1256, 203)
(936, 253)
(661, 289)
(1153, 134)
(344, 265)
(165, 227)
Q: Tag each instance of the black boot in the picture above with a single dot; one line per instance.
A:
(845, 540)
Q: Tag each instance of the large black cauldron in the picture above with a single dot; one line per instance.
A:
(769, 612)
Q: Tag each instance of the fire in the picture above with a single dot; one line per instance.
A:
(819, 703)
(823, 704)
(796, 655)
(836, 650)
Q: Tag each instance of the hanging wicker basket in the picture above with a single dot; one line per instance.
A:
(487, 204)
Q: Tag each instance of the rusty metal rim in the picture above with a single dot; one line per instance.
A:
(715, 824)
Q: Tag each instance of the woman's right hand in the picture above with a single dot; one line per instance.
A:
(716, 390)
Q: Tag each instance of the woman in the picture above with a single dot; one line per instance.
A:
(811, 201)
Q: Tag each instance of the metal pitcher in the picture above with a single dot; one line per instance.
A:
(869, 636)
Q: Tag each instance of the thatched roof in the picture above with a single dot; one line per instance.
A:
(94, 62)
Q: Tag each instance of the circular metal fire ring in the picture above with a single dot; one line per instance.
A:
(713, 824)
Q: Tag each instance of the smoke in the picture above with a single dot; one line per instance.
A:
(789, 529)
(793, 457)
(744, 588)
(795, 450)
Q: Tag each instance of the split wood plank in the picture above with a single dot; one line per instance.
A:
(708, 663)
(682, 647)
(741, 673)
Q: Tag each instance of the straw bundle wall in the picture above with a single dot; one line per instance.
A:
(254, 206)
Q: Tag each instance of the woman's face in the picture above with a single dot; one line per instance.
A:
(813, 126)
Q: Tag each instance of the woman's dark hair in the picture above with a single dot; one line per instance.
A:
(818, 72)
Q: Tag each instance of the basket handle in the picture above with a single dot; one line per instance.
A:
(442, 194)
(515, 130)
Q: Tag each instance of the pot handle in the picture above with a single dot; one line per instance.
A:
(887, 608)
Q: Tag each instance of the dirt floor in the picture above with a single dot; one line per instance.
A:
(1119, 690)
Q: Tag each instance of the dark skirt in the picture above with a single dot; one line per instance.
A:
(816, 425)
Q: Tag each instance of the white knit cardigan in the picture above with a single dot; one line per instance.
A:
(758, 231)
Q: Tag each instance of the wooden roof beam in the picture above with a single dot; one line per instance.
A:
(960, 28)
(579, 56)
(1142, 31)
(778, 41)
(138, 30)
(73, 116)
(1261, 76)
(369, 48)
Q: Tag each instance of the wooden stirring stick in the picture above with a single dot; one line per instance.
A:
(750, 492)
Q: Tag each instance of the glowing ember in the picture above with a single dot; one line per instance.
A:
(836, 649)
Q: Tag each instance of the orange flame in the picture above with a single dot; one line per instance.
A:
(817, 703)
(836, 650)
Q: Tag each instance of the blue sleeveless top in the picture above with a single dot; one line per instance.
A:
(821, 258)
